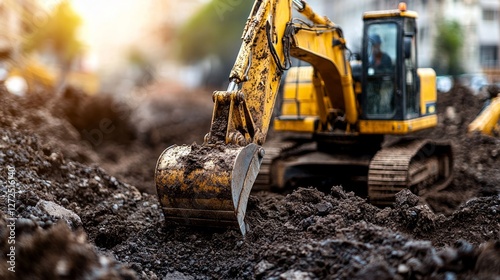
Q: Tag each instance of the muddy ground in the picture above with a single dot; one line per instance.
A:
(81, 173)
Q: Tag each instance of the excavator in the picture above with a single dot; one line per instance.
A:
(337, 110)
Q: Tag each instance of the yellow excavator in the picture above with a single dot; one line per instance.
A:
(337, 110)
(487, 122)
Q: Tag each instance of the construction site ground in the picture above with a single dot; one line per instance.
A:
(82, 171)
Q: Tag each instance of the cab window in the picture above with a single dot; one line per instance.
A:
(381, 51)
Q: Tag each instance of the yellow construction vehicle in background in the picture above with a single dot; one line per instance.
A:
(28, 76)
(337, 112)
(487, 121)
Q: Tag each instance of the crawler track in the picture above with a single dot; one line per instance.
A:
(274, 149)
(420, 165)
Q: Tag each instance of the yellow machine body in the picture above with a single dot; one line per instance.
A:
(300, 113)
(487, 121)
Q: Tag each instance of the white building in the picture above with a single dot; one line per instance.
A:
(489, 34)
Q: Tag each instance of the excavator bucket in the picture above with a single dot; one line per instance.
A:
(207, 185)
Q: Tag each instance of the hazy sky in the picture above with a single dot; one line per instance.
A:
(110, 27)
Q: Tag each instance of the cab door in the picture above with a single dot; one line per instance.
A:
(411, 83)
(381, 74)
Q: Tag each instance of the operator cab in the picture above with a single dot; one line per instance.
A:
(390, 82)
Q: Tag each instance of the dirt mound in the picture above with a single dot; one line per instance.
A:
(101, 129)
(70, 255)
(118, 231)
(476, 156)
(463, 101)
(36, 114)
(100, 119)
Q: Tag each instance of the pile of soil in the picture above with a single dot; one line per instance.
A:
(78, 219)
(476, 157)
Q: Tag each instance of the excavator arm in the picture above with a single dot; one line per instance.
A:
(209, 184)
(487, 120)
(269, 39)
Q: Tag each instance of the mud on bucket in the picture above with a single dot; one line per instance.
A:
(207, 185)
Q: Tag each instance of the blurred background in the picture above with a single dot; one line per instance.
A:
(117, 46)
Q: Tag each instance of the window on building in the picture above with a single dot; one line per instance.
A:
(489, 56)
(490, 15)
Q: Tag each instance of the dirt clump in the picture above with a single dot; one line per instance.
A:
(57, 253)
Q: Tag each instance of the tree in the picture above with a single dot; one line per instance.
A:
(448, 48)
(57, 34)
(214, 31)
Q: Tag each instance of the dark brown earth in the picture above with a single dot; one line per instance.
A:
(86, 208)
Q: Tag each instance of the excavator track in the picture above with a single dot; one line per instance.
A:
(273, 150)
(419, 165)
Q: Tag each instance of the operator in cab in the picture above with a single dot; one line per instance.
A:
(379, 60)
(380, 88)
